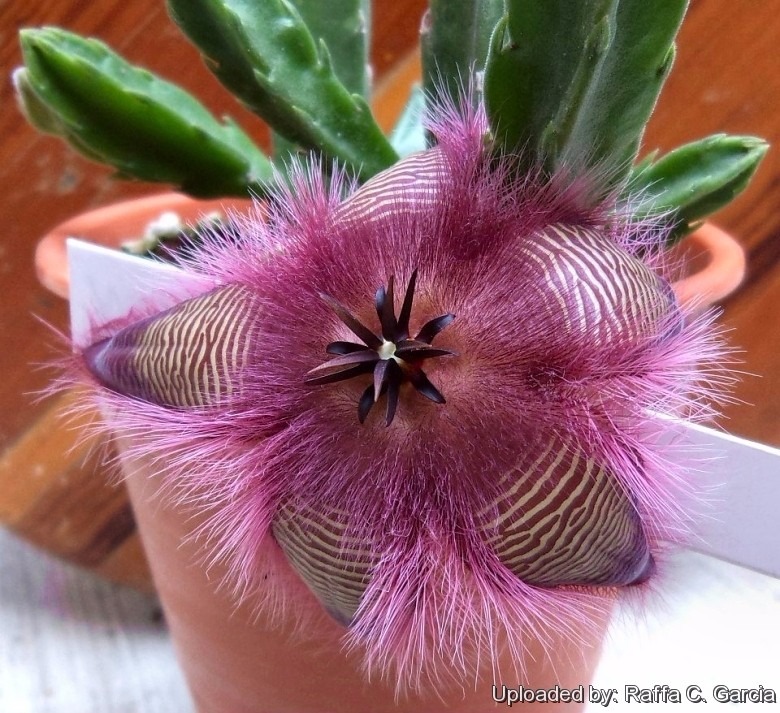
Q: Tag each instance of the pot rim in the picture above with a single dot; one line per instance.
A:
(719, 263)
(718, 260)
(112, 224)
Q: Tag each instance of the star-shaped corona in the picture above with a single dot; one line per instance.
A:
(392, 357)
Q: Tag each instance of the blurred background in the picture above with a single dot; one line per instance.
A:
(727, 78)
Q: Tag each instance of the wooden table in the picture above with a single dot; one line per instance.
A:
(727, 78)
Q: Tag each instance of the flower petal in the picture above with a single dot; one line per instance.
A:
(191, 355)
(562, 519)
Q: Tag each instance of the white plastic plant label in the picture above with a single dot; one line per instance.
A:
(106, 285)
(744, 527)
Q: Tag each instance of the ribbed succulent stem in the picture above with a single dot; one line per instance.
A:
(695, 180)
(264, 53)
(454, 40)
(538, 56)
(612, 120)
(573, 82)
(569, 85)
(121, 115)
(344, 26)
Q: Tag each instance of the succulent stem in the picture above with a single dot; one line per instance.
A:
(124, 116)
(454, 39)
(695, 180)
(343, 25)
(265, 54)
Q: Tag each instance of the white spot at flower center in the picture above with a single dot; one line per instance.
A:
(386, 350)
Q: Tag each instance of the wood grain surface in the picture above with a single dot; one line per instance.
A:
(727, 78)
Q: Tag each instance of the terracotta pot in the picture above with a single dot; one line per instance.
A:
(235, 661)
(112, 225)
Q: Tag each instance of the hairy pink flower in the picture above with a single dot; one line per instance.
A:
(438, 397)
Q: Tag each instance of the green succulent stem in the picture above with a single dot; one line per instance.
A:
(569, 86)
(572, 83)
(454, 39)
(557, 135)
(534, 72)
(343, 25)
(693, 181)
(265, 54)
(124, 116)
(625, 88)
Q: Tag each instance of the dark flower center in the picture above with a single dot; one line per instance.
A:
(392, 356)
